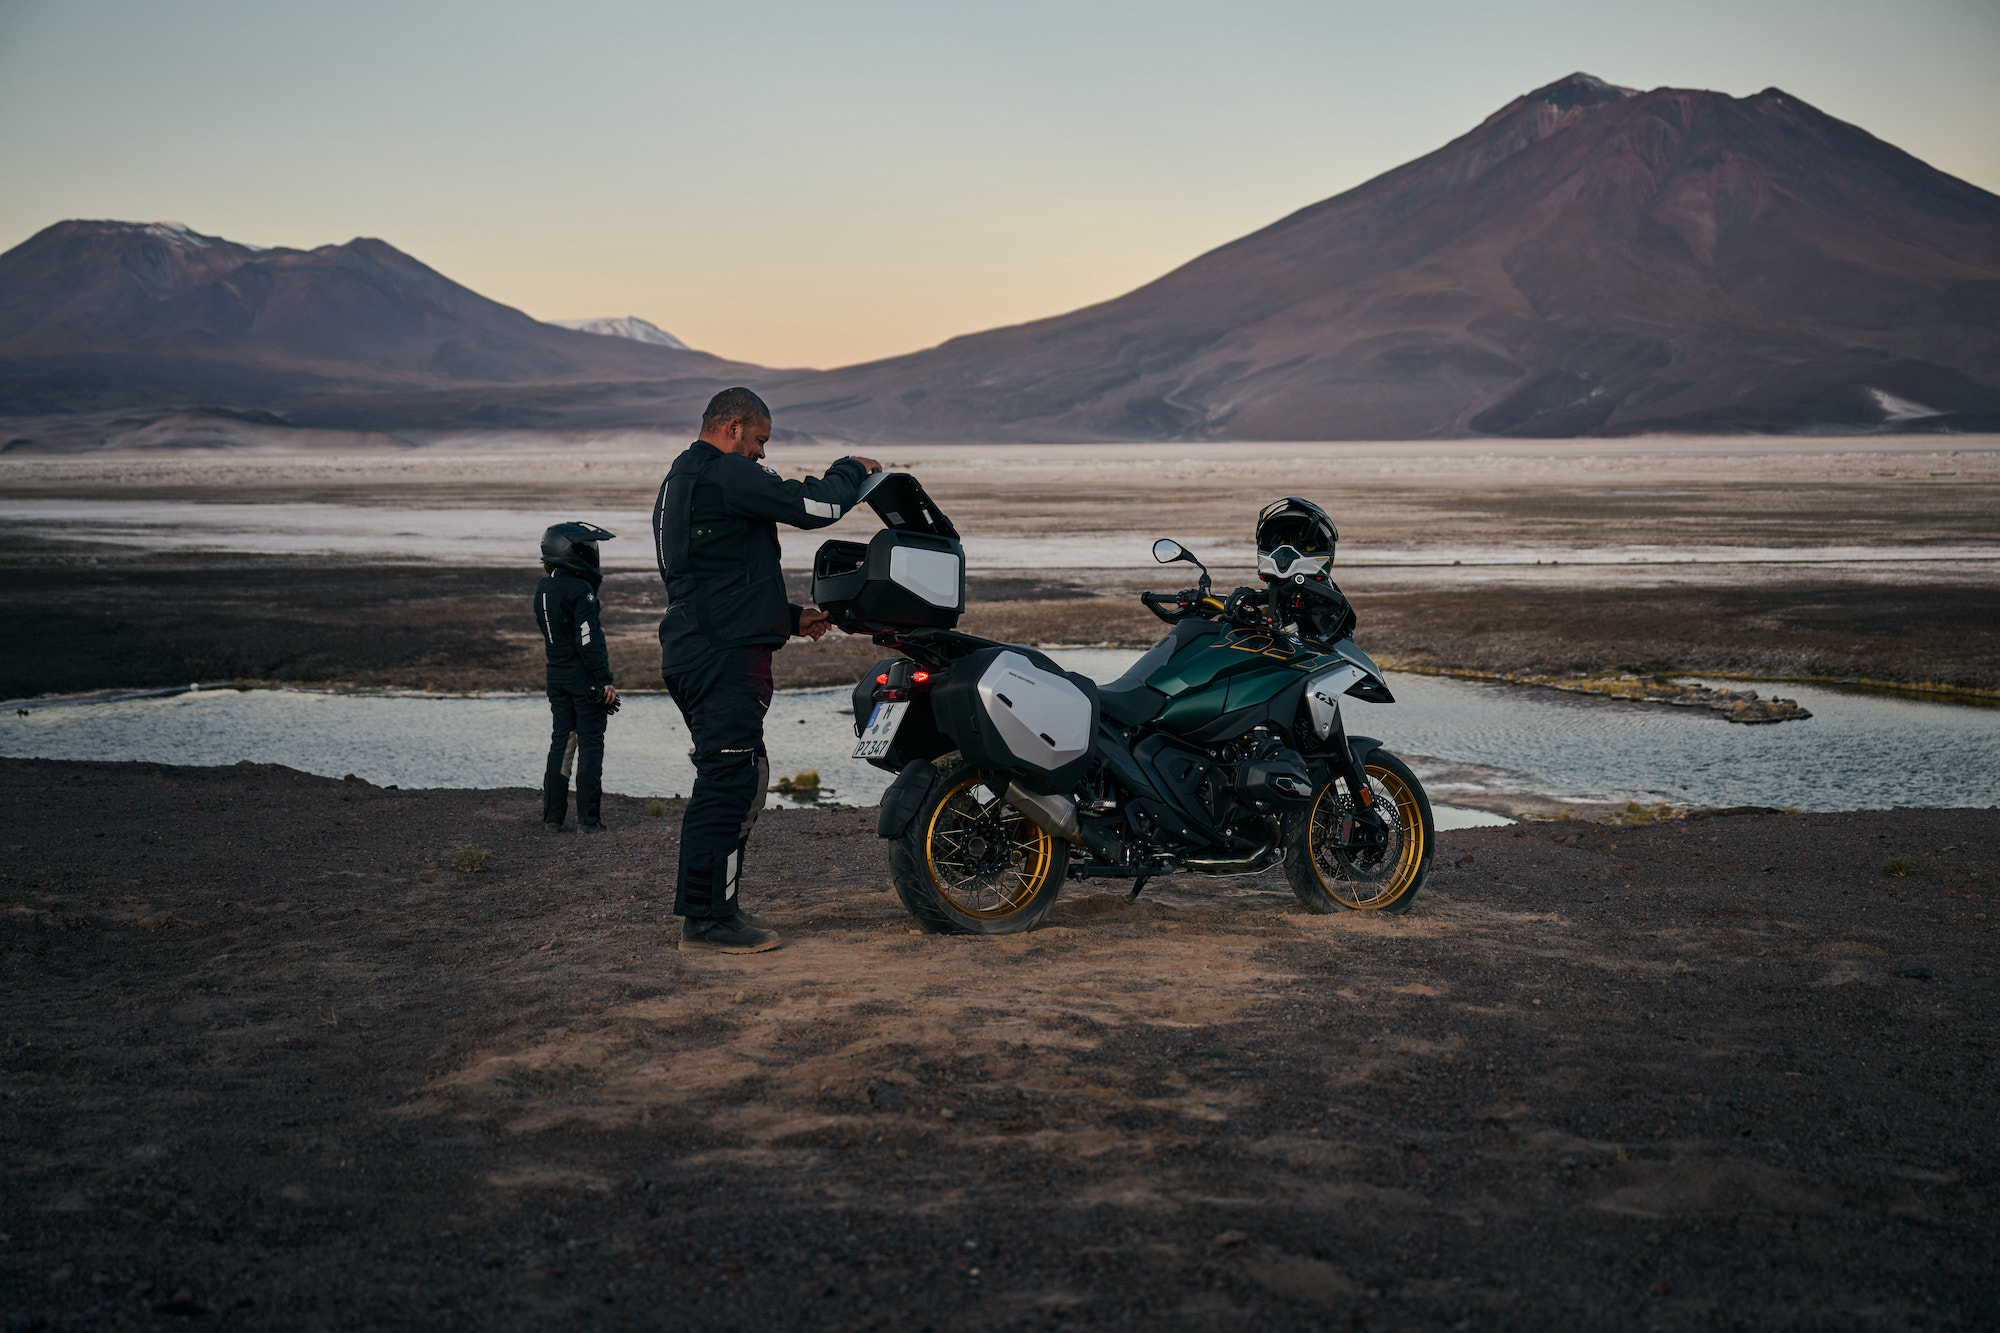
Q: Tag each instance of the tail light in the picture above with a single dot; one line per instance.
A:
(900, 681)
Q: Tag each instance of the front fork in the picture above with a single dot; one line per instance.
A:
(1361, 826)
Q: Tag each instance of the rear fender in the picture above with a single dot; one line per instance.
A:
(903, 798)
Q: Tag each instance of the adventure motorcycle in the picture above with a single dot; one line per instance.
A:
(1221, 751)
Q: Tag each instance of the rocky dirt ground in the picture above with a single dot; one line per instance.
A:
(270, 1062)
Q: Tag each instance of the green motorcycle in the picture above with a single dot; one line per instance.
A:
(1222, 751)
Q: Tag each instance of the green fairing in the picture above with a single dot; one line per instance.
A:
(1195, 708)
(1257, 689)
(1211, 677)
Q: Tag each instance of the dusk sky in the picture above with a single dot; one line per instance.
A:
(812, 184)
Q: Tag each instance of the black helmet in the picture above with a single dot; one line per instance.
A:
(1294, 537)
(573, 546)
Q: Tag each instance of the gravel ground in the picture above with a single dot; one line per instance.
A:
(269, 1062)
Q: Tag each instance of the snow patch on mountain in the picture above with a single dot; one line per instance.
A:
(1896, 409)
(631, 326)
(179, 233)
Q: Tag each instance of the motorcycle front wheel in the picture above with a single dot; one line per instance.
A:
(1328, 875)
(970, 864)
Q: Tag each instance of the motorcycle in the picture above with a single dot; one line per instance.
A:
(1221, 751)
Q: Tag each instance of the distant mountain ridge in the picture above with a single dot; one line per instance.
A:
(155, 314)
(1589, 259)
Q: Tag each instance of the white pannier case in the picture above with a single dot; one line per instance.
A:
(910, 575)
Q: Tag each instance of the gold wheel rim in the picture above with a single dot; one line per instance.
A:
(991, 896)
(1401, 798)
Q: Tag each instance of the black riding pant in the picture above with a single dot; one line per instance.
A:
(723, 698)
(577, 711)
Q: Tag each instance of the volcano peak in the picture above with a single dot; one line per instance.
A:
(1580, 89)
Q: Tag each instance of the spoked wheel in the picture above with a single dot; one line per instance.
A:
(1334, 866)
(970, 864)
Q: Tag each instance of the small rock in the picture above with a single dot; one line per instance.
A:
(889, 1099)
(1652, 1238)
(182, 1304)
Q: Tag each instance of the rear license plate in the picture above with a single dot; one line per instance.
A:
(881, 730)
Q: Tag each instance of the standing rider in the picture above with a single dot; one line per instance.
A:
(715, 530)
(581, 694)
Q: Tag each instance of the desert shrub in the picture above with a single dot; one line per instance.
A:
(657, 809)
(1898, 866)
(468, 858)
(798, 783)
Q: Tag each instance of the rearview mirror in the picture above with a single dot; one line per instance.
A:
(1166, 550)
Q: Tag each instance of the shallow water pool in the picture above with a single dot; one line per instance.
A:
(1479, 743)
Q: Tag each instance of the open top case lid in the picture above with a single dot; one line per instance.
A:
(898, 499)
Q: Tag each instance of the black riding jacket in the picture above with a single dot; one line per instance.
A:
(567, 609)
(715, 533)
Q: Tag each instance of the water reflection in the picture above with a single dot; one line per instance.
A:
(1857, 751)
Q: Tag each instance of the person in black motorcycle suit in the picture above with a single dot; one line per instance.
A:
(715, 531)
(581, 694)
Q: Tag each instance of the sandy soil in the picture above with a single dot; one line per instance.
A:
(268, 1062)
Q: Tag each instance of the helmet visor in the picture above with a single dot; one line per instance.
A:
(1288, 560)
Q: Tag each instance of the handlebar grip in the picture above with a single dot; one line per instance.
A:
(1155, 601)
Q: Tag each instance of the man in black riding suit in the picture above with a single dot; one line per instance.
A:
(581, 694)
(715, 530)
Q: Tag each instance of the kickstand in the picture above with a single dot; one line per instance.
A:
(1137, 885)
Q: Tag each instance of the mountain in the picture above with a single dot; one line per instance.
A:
(631, 326)
(117, 314)
(1589, 259)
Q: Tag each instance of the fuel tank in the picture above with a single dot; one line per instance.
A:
(1215, 681)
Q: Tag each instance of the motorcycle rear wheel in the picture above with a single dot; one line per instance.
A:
(970, 864)
(1328, 877)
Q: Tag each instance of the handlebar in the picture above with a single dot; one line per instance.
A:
(1174, 607)
(1156, 602)
(1247, 608)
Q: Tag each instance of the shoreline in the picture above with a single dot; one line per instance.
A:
(1925, 691)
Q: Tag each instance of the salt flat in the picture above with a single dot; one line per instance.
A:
(1854, 557)
(1930, 505)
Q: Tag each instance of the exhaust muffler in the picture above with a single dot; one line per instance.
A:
(1054, 814)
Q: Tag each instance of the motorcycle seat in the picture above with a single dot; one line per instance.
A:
(1129, 707)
